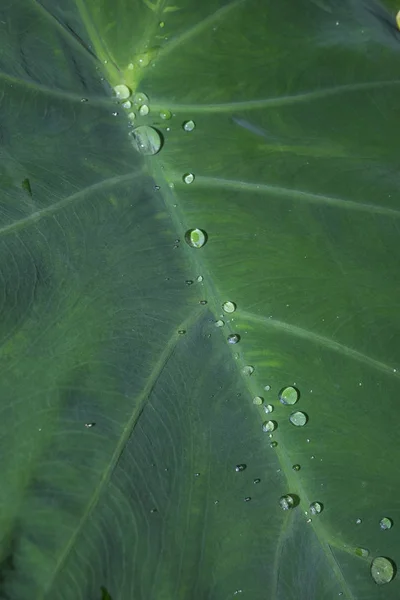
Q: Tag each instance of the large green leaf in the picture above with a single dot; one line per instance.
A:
(124, 409)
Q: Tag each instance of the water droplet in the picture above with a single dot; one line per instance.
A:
(257, 480)
(298, 418)
(358, 521)
(382, 570)
(219, 323)
(267, 388)
(154, 510)
(386, 523)
(189, 281)
(204, 302)
(233, 338)
(139, 99)
(216, 501)
(127, 104)
(316, 508)
(165, 114)
(240, 467)
(196, 238)
(132, 116)
(289, 395)
(146, 140)
(182, 331)
(114, 114)
(273, 444)
(122, 92)
(144, 110)
(200, 278)
(286, 502)
(248, 370)
(269, 426)
(247, 499)
(197, 474)
(189, 125)
(229, 307)
(363, 552)
(268, 408)
(296, 467)
(188, 178)
(88, 425)
(84, 99)
(258, 400)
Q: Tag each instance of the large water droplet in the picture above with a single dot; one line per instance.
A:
(189, 125)
(165, 114)
(219, 323)
(286, 502)
(258, 400)
(269, 426)
(289, 395)
(386, 523)
(196, 238)
(316, 508)
(248, 370)
(140, 98)
(188, 178)
(240, 467)
(382, 570)
(298, 418)
(229, 307)
(233, 338)
(122, 91)
(146, 140)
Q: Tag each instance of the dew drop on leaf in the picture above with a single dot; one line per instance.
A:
(140, 98)
(268, 408)
(240, 467)
(248, 370)
(219, 323)
(146, 140)
(229, 307)
(256, 480)
(385, 523)
(188, 178)
(258, 400)
(233, 338)
(273, 444)
(298, 418)
(286, 502)
(189, 125)
(196, 238)
(382, 570)
(296, 467)
(122, 91)
(144, 110)
(316, 508)
(289, 395)
(132, 116)
(165, 114)
(127, 104)
(269, 426)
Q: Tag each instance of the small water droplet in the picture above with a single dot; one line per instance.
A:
(316, 508)
(144, 110)
(182, 331)
(233, 338)
(139, 99)
(229, 307)
(267, 388)
(88, 425)
(298, 418)
(161, 24)
(286, 502)
(84, 99)
(258, 400)
(358, 521)
(296, 467)
(268, 408)
(240, 467)
(189, 281)
(386, 523)
(131, 116)
(197, 474)
(200, 278)
(165, 114)
(146, 140)
(269, 426)
(188, 178)
(363, 552)
(204, 302)
(154, 510)
(289, 395)
(157, 188)
(196, 238)
(256, 480)
(115, 113)
(122, 92)
(219, 323)
(216, 501)
(127, 104)
(248, 370)
(382, 570)
(189, 125)
(273, 444)
(247, 499)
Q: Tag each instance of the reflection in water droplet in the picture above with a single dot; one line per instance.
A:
(196, 238)
(289, 395)
(146, 140)
(316, 508)
(298, 418)
(268, 408)
(144, 110)
(286, 502)
(382, 570)
(122, 91)
(248, 370)
(219, 323)
(139, 99)
(363, 552)
(188, 178)
(386, 523)
(229, 307)
(165, 114)
(258, 400)
(189, 125)
(240, 467)
(233, 338)
(269, 426)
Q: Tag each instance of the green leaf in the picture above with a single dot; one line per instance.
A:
(138, 460)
